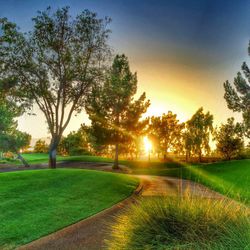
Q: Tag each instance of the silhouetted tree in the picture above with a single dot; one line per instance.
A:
(167, 129)
(238, 98)
(229, 139)
(112, 109)
(199, 128)
(55, 64)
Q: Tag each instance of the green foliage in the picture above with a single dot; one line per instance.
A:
(166, 132)
(15, 141)
(112, 109)
(75, 143)
(11, 139)
(44, 201)
(181, 223)
(8, 109)
(55, 64)
(7, 116)
(238, 97)
(197, 135)
(41, 146)
(229, 139)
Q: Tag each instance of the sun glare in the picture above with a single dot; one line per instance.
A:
(147, 144)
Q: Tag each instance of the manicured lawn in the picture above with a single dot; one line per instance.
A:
(43, 158)
(39, 202)
(231, 178)
(38, 158)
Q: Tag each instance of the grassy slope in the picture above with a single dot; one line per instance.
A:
(36, 203)
(229, 178)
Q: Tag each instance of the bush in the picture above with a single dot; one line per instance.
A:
(188, 223)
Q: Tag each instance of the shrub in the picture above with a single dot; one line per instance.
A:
(187, 223)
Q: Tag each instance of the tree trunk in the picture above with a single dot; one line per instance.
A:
(116, 156)
(52, 153)
(25, 163)
(200, 157)
(52, 158)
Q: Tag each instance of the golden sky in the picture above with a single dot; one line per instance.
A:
(182, 50)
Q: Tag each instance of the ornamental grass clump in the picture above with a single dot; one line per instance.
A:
(182, 223)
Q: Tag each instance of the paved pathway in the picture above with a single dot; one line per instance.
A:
(167, 186)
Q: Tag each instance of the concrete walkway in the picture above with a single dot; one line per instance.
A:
(167, 186)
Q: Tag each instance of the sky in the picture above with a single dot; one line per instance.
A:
(182, 50)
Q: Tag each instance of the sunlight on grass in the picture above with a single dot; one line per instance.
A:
(201, 175)
(188, 223)
(36, 203)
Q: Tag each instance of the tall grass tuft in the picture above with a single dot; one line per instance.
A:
(182, 223)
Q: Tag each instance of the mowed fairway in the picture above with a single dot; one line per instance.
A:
(36, 203)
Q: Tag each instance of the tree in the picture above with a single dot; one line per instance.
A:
(14, 142)
(75, 143)
(113, 112)
(55, 64)
(238, 98)
(11, 139)
(41, 146)
(167, 129)
(229, 139)
(198, 130)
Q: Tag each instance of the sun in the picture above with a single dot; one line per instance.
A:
(147, 144)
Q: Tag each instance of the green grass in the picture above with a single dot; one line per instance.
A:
(36, 158)
(231, 178)
(39, 158)
(188, 223)
(39, 202)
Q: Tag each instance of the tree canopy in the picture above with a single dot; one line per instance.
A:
(55, 64)
(112, 109)
(198, 131)
(238, 97)
(167, 129)
(229, 139)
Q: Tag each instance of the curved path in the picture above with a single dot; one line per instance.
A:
(91, 232)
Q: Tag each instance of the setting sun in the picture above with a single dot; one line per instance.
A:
(147, 144)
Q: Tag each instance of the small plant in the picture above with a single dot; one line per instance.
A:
(182, 223)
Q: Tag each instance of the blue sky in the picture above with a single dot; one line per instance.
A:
(182, 50)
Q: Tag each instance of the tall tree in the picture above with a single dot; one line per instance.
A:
(167, 129)
(229, 139)
(112, 109)
(55, 64)
(238, 98)
(199, 129)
